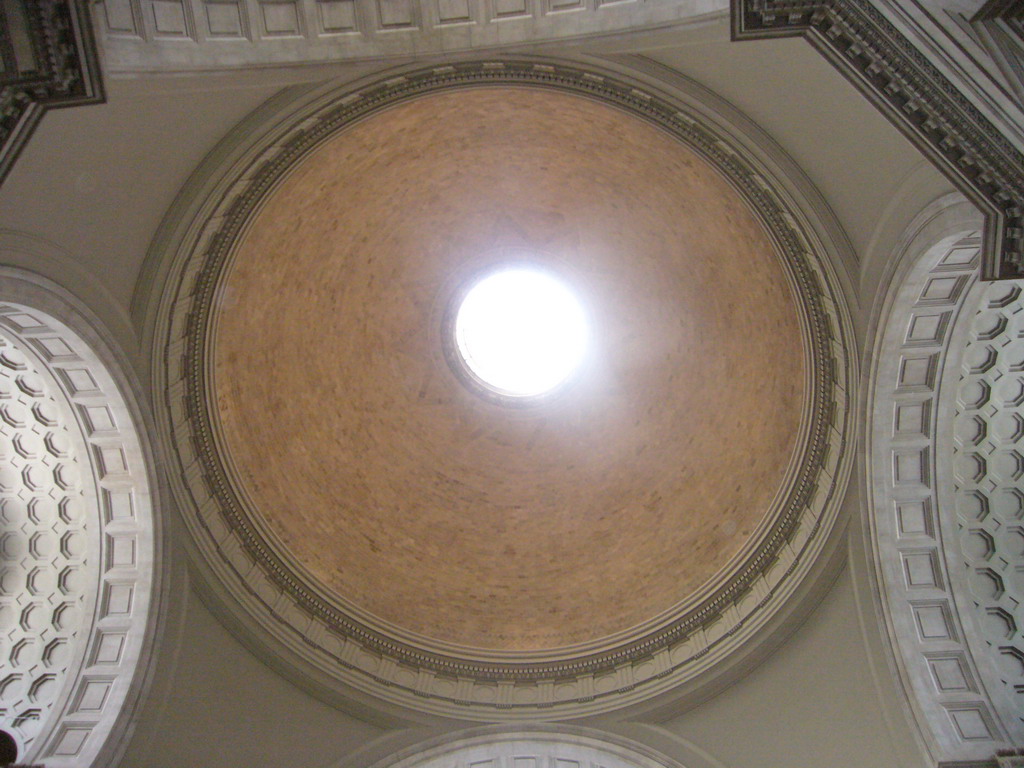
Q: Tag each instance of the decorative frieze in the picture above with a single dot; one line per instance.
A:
(919, 100)
(184, 35)
(47, 59)
(414, 671)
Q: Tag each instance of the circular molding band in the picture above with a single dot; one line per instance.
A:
(351, 650)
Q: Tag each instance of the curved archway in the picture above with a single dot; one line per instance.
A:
(927, 387)
(77, 547)
(529, 747)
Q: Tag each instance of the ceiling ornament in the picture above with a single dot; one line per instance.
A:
(334, 646)
(400, 482)
(917, 98)
(57, 68)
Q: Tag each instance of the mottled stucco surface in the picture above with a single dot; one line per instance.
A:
(462, 520)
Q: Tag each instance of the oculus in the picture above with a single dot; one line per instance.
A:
(520, 332)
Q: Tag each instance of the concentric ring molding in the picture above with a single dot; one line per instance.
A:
(352, 650)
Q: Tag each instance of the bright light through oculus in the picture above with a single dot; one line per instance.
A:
(521, 332)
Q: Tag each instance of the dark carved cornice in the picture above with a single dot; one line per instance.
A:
(49, 60)
(918, 100)
(999, 9)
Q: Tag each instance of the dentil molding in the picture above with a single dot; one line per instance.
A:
(919, 100)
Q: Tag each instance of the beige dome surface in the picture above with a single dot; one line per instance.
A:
(407, 495)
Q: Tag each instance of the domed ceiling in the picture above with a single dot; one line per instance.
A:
(391, 525)
(399, 489)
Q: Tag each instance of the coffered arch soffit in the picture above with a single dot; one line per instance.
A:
(79, 553)
(944, 473)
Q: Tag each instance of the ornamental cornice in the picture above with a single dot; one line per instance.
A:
(58, 68)
(919, 100)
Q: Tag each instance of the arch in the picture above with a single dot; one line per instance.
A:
(78, 546)
(980, 467)
(528, 747)
(915, 394)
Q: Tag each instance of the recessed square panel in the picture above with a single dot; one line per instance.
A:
(55, 350)
(78, 380)
(99, 419)
(337, 16)
(942, 290)
(119, 17)
(120, 551)
(118, 600)
(910, 466)
(912, 419)
(71, 740)
(921, 569)
(109, 648)
(927, 329)
(933, 621)
(118, 504)
(169, 18)
(111, 460)
(914, 518)
(950, 673)
(917, 372)
(92, 696)
(22, 321)
(971, 723)
(959, 258)
(554, 6)
(454, 11)
(396, 14)
(225, 20)
(505, 9)
(280, 19)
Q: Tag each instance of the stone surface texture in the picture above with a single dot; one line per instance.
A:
(475, 523)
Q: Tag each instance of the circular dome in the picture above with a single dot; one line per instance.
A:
(477, 526)
(343, 475)
(519, 333)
